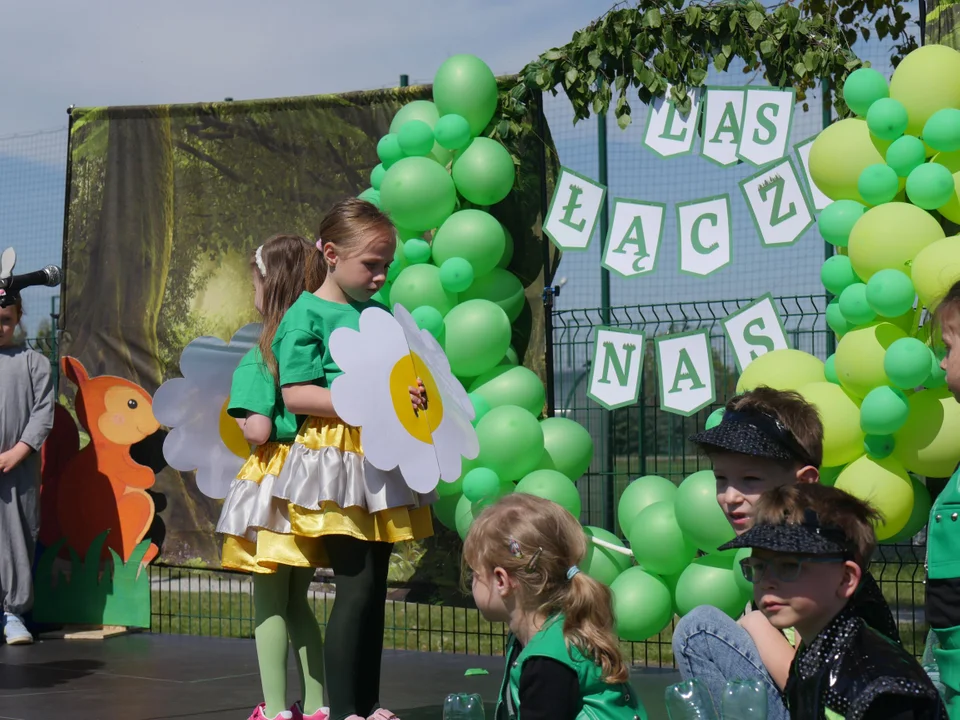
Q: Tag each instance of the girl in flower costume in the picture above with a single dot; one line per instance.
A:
(341, 508)
(258, 537)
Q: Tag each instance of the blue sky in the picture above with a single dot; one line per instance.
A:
(134, 53)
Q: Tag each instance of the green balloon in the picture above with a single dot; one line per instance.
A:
(710, 580)
(501, 287)
(445, 489)
(746, 587)
(918, 515)
(837, 274)
(837, 220)
(376, 176)
(714, 419)
(473, 235)
(699, 514)
(601, 563)
(465, 513)
(371, 196)
(428, 318)
(445, 509)
(481, 484)
(456, 274)
(416, 251)
(878, 184)
(883, 411)
(829, 475)
(878, 446)
(512, 385)
(398, 264)
(484, 172)
(507, 250)
(906, 153)
(417, 193)
(890, 293)
(465, 86)
(511, 357)
(907, 363)
(640, 494)
(942, 131)
(642, 604)
(835, 319)
(480, 407)
(854, 305)
(389, 150)
(862, 88)
(452, 132)
(938, 376)
(552, 485)
(511, 442)
(419, 285)
(415, 138)
(930, 185)
(567, 447)
(382, 295)
(887, 119)
(830, 370)
(426, 112)
(658, 543)
(477, 337)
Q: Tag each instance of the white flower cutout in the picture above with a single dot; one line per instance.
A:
(203, 437)
(380, 363)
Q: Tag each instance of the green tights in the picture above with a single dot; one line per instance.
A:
(282, 610)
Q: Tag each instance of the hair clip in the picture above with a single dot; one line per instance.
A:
(320, 244)
(514, 548)
(532, 565)
(260, 264)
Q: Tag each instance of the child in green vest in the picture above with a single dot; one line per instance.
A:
(563, 656)
(811, 547)
(943, 533)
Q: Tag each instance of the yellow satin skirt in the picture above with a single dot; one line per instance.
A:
(329, 454)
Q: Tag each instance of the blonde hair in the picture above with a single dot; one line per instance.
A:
(284, 258)
(536, 542)
(349, 224)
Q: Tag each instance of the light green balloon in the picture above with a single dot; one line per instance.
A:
(371, 196)
(699, 514)
(641, 493)
(511, 385)
(445, 509)
(830, 370)
(501, 287)
(419, 285)
(389, 150)
(417, 193)
(890, 236)
(416, 251)
(428, 318)
(942, 131)
(511, 442)
(835, 319)
(464, 85)
(552, 485)
(477, 336)
(376, 176)
(452, 132)
(480, 407)
(465, 513)
(859, 357)
(507, 250)
(863, 87)
(930, 185)
(878, 184)
(883, 411)
(473, 235)
(710, 580)
(837, 220)
(918, 515)
(746, 587)
(658, 543)
(567, 447)
(907, 363)
(481, 484)
(415, 138)
(854, 305)
(456, 274)
(642, 604)
(887, 119)
(906, 153)
(890, 293)
(879, 446)
(837, 274)
(603, 564)
(426, 112)
(484, 172)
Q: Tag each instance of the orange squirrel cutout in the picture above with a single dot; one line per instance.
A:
(100, 487)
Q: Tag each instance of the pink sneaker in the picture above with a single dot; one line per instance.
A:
(258, 714)
(296, 711)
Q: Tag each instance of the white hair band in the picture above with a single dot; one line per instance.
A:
(258, 256)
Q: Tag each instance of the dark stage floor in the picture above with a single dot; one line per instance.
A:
(152, 677)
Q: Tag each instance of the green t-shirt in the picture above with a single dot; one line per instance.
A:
(254, 390)
(302, 340)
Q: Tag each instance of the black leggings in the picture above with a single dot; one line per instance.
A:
(354, 639)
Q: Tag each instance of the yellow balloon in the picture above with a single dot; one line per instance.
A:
(231, 434)
(927, 443)
(840, 414)
(886, 486)
(890, 236)
(859, 357)
(951, 161)
(935, 269)
(840, 153)
(782, 370)
(927, 80)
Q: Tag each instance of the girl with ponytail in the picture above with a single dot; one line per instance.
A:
(563, 655)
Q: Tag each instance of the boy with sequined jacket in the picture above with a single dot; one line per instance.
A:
(811, 545)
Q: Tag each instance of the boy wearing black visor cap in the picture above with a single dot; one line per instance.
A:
(811, 546)
(767, 439)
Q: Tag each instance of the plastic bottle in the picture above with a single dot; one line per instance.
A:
(929, 661)
(689, 700)
(744, 700)
(462, 706)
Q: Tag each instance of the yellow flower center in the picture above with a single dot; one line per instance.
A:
(231, 434)
(404, 376)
